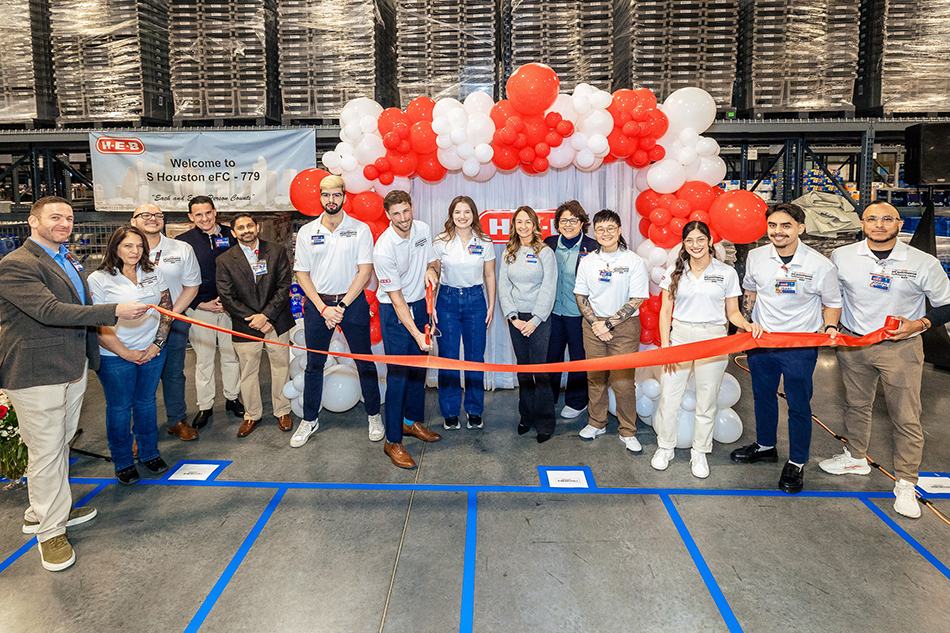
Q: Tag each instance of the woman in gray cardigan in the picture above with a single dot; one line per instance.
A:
(527, 286)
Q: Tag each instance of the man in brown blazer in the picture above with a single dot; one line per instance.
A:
(253, 280)
(47, 343)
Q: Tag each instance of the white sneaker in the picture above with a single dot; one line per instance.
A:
(304, 431)
(632, 444)
(590, 432)
(844, 464)
(906, 503)
(569, 413)
(376, 430)
(697, 464)
(661, 458)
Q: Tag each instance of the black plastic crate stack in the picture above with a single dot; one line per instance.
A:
(333, 51)
(797, 56)
(903, 65)
(446, 48)
(27, 95)
(110, 61)
(224, 62)
(575, 38)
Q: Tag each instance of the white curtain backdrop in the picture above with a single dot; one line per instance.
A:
(609, 187)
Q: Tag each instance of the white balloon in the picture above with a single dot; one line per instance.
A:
(356, 182)
(666, 176)
(349, 114)
(712, 169)
(668, 141)
(646, 248)
(458, 118)
(341, 388)
(729, 392)
(338, 346)
(592, 167)
(297, 365)
(290, 391)
(657, 274)
(298, 382)
(651, 388)
(441, 125)
(349, 163)
(444, 141)
(687, 156)
(465, 151)
(485, 172)
(367, 124)
(484, 152)
(658, 257)
(444, 106)
(563, 106)
(689, 401)
(584, 89)
(343, 149)
(728, 427)
(458, 135)
(295, 352)
(691, 382)
(480, 129)
(647, 420)
(479, 103)
(689, 107)
(399, 183)
(640, 180)
(300, 337)
(720, 250)
(367, 107)
(706, 146)
(688, 137)
(654, 288)
(471, 166)
(601, 99)
(369, 149)
(645, 407)
(296, 406)
(449, 159)
(580, 105)
(674, 253)
(351, 133)
(685, 422)
(611, 402)
(595, 122)
(331, 160)
(578, 141)
(584, 159)
(598, 145)
(561, 156)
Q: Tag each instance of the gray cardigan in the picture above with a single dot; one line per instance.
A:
(528, 287)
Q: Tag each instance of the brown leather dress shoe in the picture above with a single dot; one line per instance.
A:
(398, 454)
(248, 427)
(183, 431)
(285, 423)
(424, 434)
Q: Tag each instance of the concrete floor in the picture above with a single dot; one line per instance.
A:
(332, 537)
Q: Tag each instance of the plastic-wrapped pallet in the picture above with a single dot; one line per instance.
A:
(903, 65)
(446, 48)
(224, 59)
(797, 55)
(110, 60)
(333, 51)
(574, 37)
(26, 64)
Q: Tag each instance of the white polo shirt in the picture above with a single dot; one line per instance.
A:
(136, 334)
(789, 296)
(177, 261)
(703, 299)
(333, 257)
(610, 280)
(897, 286)
(400, 263)
(463, 265)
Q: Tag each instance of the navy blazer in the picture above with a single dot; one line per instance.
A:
(588, 245)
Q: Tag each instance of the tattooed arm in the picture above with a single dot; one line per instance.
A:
(626, 311)
(748, 302)
(583, 304)
(164, 325)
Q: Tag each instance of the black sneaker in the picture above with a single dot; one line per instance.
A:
(791, 479)
(451, 424)
(128, 476)
(156, 466)
(235, 407)
(751, 454)
(474, 421)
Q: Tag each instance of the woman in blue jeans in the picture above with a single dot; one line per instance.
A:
(466, 270)
(132, 351)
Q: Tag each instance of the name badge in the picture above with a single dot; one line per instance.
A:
(317, 240)
(259, 268)
(222, 242)
(147, 287)
(880, 282)
(605, 276)
(475, 249)
(79, 267)
(584, 254)
(531, 258)
(158, 256)
(786, 286)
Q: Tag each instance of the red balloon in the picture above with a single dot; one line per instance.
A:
(698, 194)
(699, 216)
(389, 119)
(383, 165)
(649, 320)
(647, 336)
(516, 123)
(667, 200)
(553, 118)
(623, 102)
(657, 153)
(505, 158)
(375, 330)
(501, 112)
(520, 142)
(402, 164)
(659, 124)
(647, 201)
(526, 154)
(420, 109)
(663, 237)
(535, 129)
(677, 224)
(639, 159)
(540, 164)
(402, 129)
(542, 149)
(404, 147)
(655, 302)
(532, 88)
(680, 208)
(377, 228)
(639, 113)
(620, 144)
(370, 172)
(718, 190)
(609, 158)
(553, 139)
(715, 236)
(645, 227)
(646, 143)
(367, 206)
(371, 299)
(348, 203)
(422, 138)
(305, 191)
(660, 216)
(631, 128)
(647, 97)
(738, 216)
(429, 168)
(391, 140)
(386, 178)
(508, 135)
(565, 128)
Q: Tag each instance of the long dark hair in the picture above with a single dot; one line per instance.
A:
(476, 223)
(112, 263)
(607, 215)
(683, 256)
(514, 240)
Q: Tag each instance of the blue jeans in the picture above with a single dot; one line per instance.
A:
(462, 313)
(355, 326)
(767, 366)
(130, 401)
(568, 332)
(173, 375)
(405, 386)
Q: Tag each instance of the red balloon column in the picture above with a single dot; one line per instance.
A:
(305, 191)
(738, 216)
(665, 216)
(637, 126)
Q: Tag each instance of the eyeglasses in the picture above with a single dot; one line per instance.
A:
(699, 241)
(610, 229)
(569, 221)
(149, 216)
(335, 196)
(884, 219)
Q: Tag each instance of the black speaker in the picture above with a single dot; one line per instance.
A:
(927, 161)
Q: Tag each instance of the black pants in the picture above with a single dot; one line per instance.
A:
(535, 400)
(568, 332)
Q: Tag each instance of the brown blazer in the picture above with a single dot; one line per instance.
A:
(46, 334)
(242, 297)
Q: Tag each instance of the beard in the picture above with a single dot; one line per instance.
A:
(890, 236)
(332, 209)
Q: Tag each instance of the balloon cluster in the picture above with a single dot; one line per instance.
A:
(366, 206)
(665, 215)
(464, 136)
(637, 126)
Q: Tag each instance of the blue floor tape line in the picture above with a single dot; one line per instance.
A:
(232, 567)
(467, 617)
(923, 551)
(701, 565)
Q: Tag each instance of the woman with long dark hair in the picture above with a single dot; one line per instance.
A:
(466, 274)
(527, 285)
(133, 351)
(699, 294)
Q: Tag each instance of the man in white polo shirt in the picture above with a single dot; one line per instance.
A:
(401, 256)
(882, 276)
(178, 263)
(334, 262)
(788, 287)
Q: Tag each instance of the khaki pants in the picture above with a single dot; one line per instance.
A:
(249, 358)
(899, 366)
(626, 339)
(48, 417)
(204, 341)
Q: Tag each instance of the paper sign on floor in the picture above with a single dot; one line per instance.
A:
(567, 479)
(194, 472)
(934, 485)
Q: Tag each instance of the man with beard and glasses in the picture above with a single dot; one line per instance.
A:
(788, 287)
(178, 263)
(253, 281)
(334, 262)
(882, 276)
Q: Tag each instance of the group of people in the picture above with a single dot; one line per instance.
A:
(569, 292)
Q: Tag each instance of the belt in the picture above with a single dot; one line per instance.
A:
(328, 299)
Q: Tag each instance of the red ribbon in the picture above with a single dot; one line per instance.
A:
(651, 358)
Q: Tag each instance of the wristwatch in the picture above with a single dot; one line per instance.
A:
(160, 344)
(608, 324)
(342, 305)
